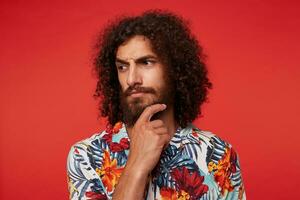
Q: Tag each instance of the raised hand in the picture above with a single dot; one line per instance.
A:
(147, 140)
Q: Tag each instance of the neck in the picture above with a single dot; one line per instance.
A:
(167, 117)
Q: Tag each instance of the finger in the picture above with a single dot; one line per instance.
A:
(161, 131)
(156, 123)
(150, 111)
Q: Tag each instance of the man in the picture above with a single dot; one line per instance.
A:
(152, 80)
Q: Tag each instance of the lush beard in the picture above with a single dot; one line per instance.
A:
(133, 109)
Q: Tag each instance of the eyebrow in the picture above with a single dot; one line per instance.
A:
(140, 59)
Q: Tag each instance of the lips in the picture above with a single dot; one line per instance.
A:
(136, 93)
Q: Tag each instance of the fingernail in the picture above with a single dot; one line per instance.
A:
(164, 105)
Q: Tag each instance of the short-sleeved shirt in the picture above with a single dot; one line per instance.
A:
(196, 164)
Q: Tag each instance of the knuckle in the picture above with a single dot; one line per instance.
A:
(160, 122)
(144, 126)
(147, 126)
(148, 109)
(163, 130)
(156, 137)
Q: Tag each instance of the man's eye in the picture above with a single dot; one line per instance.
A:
(121, 67)
(148, 62)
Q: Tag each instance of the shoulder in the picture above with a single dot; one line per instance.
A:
(92, 149)
(81, 153)
(100, 139)
(84, 145)
(211, 139)
(215, 149)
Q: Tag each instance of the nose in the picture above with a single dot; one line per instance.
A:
(134, 76)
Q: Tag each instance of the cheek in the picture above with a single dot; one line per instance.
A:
(122, 83)
(154, 78)
(123, 88)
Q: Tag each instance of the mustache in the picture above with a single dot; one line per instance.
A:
(130, 90)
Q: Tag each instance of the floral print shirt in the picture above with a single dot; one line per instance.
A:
(196, 165)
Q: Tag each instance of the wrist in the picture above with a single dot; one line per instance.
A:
(132, 184)
(135, 171)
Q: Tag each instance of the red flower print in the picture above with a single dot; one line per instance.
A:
(233, 160)
(109, 129)
(115, 146)
(107, 137)
(95, 196)
(113, 129)
(196, 134)
(191, 183)
(76, 151)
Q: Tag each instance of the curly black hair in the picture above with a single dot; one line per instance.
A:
(172, 40)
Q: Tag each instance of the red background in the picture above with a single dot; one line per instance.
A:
(46, 86)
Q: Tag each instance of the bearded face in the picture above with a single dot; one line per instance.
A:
(142, 77)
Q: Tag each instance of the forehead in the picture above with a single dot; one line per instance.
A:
(135, 47)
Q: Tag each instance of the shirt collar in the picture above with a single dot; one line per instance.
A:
(181, 136)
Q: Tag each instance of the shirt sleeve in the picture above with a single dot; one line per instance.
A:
(224, 166)
(83, 181)
(237, 191)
